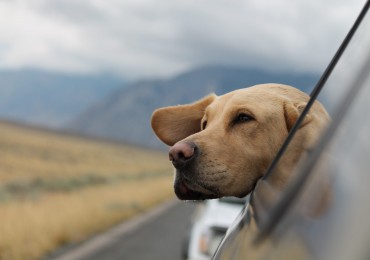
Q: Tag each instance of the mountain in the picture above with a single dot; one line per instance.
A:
(125, 115)
(50, 99)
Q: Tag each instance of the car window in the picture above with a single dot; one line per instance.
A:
(339, 173)
(297, 208)
(330, 213)
(337, 86)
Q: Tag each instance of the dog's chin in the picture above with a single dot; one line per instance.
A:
(188, 191)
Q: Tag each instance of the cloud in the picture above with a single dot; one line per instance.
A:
(151, 38)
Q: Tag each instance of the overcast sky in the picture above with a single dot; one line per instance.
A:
(156, 38)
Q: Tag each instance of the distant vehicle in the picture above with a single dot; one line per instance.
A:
(210, 222)
(324, 212)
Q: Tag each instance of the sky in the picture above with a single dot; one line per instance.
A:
(137, 39)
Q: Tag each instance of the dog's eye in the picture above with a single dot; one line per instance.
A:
(204, 124)
(242, 117)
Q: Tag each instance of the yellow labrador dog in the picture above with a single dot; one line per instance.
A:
(221, 145)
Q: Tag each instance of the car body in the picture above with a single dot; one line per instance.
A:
(324, 212)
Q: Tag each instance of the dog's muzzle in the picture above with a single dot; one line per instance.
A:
(183, 156)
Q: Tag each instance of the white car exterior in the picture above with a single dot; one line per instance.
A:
(211, 220)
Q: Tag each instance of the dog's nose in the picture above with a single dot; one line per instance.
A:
(182, 153)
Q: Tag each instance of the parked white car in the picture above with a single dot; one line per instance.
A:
(210, 222)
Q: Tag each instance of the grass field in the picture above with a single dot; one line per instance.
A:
(57, 189)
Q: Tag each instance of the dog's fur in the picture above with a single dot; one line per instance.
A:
(234, 137)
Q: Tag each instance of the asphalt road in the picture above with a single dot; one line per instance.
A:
(159, 235)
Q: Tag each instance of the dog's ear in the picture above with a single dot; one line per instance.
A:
(292, 112)
(172, 124)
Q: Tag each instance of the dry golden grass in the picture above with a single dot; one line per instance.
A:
(103, 184)
(27, 153)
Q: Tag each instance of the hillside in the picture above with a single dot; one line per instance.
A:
(57, 189)
(50, 99)
(125, 115)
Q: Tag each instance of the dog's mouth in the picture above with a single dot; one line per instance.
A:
(190, 190)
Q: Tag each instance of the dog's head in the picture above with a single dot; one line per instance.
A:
(221, 145)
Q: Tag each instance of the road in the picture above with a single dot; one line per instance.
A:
(159, 234)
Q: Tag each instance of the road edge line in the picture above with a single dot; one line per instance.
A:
(102, 240)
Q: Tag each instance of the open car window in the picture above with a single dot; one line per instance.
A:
(297, 215)
(335, 85)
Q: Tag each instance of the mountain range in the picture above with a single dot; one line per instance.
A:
(51, 99)
(125, 114)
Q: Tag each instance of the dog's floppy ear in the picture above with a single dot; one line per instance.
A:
(292, 112)
(172, 124)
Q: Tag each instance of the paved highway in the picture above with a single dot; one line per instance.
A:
(156, 235)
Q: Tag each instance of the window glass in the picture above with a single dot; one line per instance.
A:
(347, 67)
(271, 191)
(331, 217)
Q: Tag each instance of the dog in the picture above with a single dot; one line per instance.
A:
(222, 145)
